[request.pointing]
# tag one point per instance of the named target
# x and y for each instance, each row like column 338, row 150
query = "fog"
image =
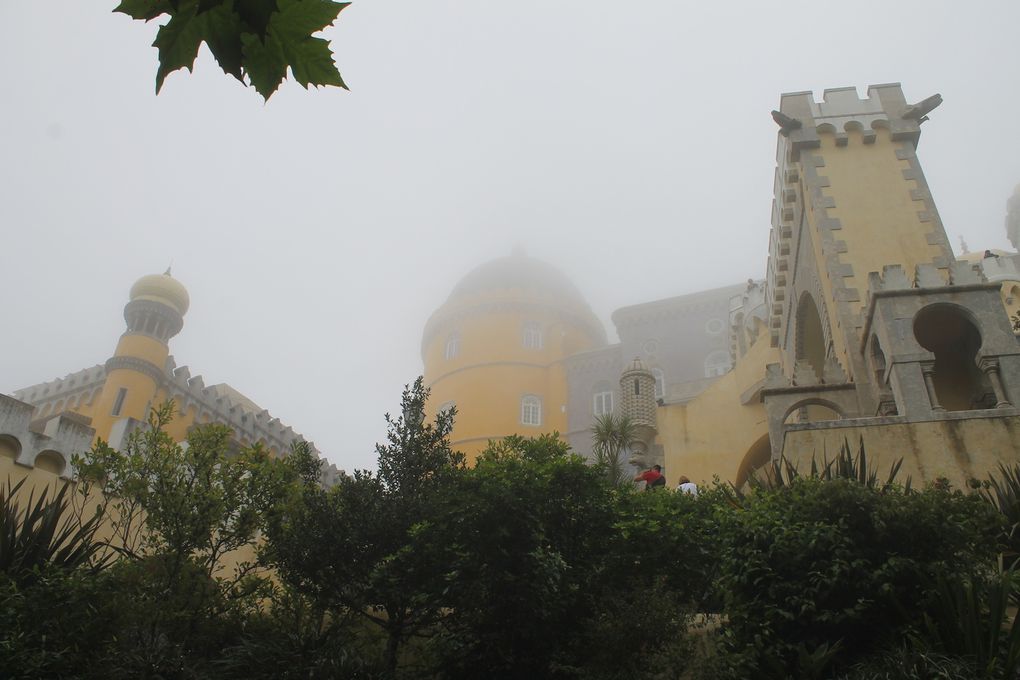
column 628, row 144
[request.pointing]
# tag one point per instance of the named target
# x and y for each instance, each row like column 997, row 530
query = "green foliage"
column 199, row 501
column 1003, row 493
column 815, row 564
column 976, row 618
column 557, row 573
column 524, row 534
column 612, row 436
column 54, row 598
column 179, row 514
column 354, row 549
column 907, row 662
column 60, row 624
column 253, row 40
column 781, row 472
column 44, row 534
column 297, row 640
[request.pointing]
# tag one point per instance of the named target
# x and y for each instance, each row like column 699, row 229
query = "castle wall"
column 715, row 433
column 957, row 446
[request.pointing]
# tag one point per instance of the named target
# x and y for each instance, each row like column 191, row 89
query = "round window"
column 714, row 326
column 650, row 346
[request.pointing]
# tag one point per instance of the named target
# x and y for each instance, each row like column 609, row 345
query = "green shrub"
column 818, row 574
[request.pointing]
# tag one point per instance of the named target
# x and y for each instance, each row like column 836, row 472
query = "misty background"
column 628, row 144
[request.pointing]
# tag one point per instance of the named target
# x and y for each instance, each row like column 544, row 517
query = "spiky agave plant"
column 781, row 472
column 43, row 533
column 1003, row 492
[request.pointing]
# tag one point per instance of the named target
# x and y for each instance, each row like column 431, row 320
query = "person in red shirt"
column 651, row 477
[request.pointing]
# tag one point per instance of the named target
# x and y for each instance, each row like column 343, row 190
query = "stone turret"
column 637, row 390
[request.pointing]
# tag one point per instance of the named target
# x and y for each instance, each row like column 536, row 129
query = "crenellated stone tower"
column 877, row 324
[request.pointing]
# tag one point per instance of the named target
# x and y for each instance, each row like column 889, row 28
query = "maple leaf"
column 255, row 41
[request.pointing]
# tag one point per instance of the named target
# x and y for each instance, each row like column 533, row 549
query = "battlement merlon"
column 842, row 110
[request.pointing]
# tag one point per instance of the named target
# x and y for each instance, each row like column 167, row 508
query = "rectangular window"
column 603, row 403
column 531, row 411
column 118, row 403
column 532, row 336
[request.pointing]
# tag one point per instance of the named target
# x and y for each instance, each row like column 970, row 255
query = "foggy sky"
column 628, row 144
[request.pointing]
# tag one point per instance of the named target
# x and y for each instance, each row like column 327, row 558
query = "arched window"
column 452, row 346
column 531, row 336
column 531, row 410
column 717, row 363
column 660, row 383
column 810, row 341
column 947, row 331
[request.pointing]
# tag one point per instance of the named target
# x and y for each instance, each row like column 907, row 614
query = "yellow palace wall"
column 715, row 434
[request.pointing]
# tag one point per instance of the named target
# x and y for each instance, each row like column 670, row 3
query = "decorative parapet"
column 802, row 119
column 48, row 444
column 926, row 276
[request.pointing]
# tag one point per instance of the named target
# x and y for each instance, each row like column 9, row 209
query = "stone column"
column 990, row 366
column 928, row 370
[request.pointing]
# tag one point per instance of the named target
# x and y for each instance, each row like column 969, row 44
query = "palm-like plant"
column 43, row 534
column 1003, row 493
column 612, row 436
column 780, row 473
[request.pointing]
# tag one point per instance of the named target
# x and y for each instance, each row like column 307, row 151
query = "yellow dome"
column 162, row 288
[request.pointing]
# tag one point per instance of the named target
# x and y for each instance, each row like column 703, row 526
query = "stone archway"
column 810, row 346
column 948, row 332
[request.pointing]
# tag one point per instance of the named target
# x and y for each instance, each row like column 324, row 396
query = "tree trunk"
column 392, row 649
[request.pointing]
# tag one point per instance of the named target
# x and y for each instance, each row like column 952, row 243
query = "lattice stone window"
column 603, row 403
column 531, row 336
column 531, row 410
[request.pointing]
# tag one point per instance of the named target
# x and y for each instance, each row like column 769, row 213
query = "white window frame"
column 602, row 403
column 531, row 410
column 660, row 383
column 118, row 403
column 531, row 336
column 452, row 346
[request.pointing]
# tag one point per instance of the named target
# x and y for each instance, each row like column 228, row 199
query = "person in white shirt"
column 687, row 486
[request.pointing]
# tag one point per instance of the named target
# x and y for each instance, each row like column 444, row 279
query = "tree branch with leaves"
column 255, row 41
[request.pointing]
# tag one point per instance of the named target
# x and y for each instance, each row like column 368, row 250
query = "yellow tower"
column 154, row 314
column 850, row 199
column 495, row 350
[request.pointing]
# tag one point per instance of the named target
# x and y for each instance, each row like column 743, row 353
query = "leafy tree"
column 255, row 41
column 353, row 548
column 525, row 535
column 179, row 515
column 612, row 436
